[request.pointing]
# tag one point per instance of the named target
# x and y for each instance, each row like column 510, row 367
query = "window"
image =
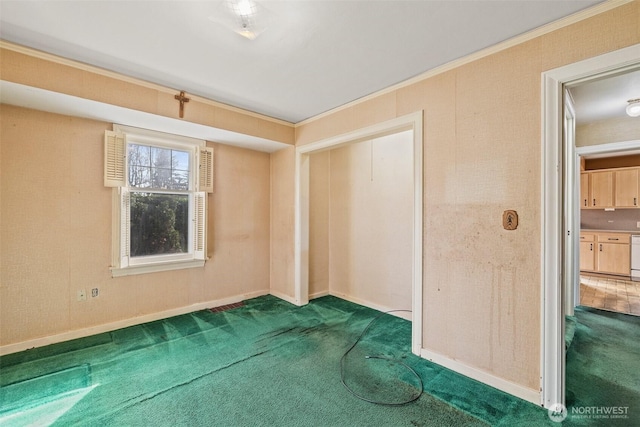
column 159, row 199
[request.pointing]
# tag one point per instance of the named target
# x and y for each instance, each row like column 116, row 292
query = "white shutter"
column 200, row 226
column 114, row 159
column 205, row 169
column 125, row 227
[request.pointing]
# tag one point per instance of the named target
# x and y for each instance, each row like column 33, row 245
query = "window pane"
column 139, row 166
column 161, row 178
column 159, row 224
column 180, row 180
column 160, row 157
column 139, row 155
column 139, row 176
column 180, row 160
column 158, row 168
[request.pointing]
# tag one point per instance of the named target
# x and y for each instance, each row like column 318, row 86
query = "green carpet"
column 268, row 363
column 603, row 370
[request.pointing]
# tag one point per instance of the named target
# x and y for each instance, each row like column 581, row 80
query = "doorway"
column 411, row 123
column 595, row 116
column 560, row 221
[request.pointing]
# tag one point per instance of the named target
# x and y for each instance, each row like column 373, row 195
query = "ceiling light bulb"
column 245, row 17
column 633, row 109
column 244, row 8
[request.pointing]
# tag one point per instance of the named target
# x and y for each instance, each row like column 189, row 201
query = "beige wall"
column 607, row 131
column 481, row 156
column 282, row 214
column 55, row 232
column 371, row 225
column 319, row 202
column 51, row 73
column 482, row 145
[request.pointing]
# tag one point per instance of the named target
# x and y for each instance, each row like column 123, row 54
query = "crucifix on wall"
column 182, row 100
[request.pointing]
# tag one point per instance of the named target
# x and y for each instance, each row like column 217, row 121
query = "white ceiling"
column 606, row 98
column 314, row 56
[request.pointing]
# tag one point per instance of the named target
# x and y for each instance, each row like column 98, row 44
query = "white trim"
column 507, row 386
column 318, row 294
column 125, row 264
column 284, row 297
column 412, row 122
column 572, row 216
column 108, row 327
column 552, row 170
column 153, row 137
column 610, row 148
column 154, row 268
column 34, row 53
column 552, row 365
column 522, row 38
column 301, row 230
column 407, row 315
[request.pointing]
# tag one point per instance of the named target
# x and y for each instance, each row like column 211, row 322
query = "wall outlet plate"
column 94, row 292
column 638, row 224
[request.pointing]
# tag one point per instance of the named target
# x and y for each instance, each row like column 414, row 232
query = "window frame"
column 200, row 182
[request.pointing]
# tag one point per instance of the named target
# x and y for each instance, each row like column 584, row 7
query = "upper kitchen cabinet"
column 584, row 189
column 627, row 185
column 601, row 189
column 610, row 188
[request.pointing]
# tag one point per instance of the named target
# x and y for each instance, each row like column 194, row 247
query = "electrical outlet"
column 638, row 224
column 82, row 295
column 94, row 292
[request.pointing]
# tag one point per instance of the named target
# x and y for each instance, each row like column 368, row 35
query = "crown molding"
column 522, row 38
column 139, row 82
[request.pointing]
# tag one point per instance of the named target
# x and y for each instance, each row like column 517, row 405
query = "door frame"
column 554, row 180
column 301, row 215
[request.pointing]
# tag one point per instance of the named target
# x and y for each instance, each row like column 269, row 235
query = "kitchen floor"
column 610, row 293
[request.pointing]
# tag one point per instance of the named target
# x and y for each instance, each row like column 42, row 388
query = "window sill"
column 153, row 268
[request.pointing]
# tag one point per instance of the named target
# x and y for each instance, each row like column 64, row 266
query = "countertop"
column 590, row 230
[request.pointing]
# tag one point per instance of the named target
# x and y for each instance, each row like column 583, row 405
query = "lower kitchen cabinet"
column 587, row 252
column 605, row 253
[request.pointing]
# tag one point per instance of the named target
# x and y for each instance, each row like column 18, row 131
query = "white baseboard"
column 402, row 314
column 318, row 294
column 284, row 297
column 108, row 327
column 507, row 386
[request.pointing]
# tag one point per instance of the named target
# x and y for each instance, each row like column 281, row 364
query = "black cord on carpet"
column 409, row 368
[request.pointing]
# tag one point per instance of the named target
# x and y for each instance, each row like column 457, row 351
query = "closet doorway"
column 362, row 144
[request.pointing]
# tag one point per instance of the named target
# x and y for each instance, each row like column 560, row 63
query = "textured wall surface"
column 607, row 131
column 50, row 73
column 482, row 145
column 282, row 214
column 371, row 210
column 319, row 222
column 55, row 232
column 361, row 221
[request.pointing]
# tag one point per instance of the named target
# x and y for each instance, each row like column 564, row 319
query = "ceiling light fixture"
column 633, row 109
column 245, row 17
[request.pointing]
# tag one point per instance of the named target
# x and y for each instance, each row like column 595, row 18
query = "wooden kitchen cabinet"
column 601, row 189
column 584, row 190
column 587, row 252
column 613, row 254
column 627, row 186
column 608, row 253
